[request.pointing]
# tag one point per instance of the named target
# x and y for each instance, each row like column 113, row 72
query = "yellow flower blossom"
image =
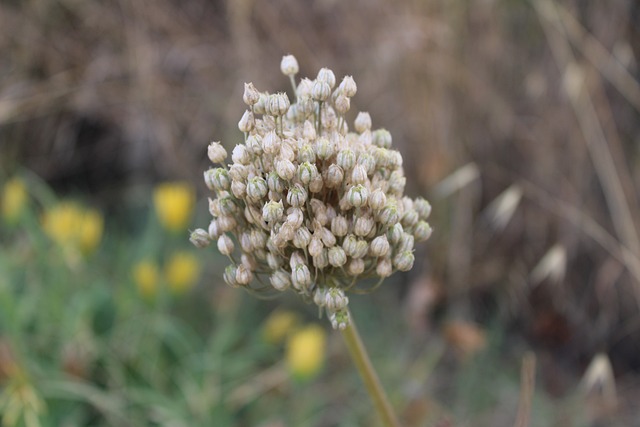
column 72, row 227
column 14, row 199
column 90, row 230
column 278, row 325
column 306, row 351
column 182, row 271
column 146, row 278
column 174, row 203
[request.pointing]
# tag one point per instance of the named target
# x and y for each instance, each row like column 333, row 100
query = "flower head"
column 311, row 205
column 13, row 200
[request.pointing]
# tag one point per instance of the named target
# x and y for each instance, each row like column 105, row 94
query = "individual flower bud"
column 377, row 199
column 289, row 65
column 362, row 122
column 363, row 226
column 334, row 176
column 301, row 277
column 245, row 242
column 346, row 159
column 208, row 179
column 286, row 151
column 301, row 238
column 339, row 319
column 316, row 184
column 381, row 138
column 280, row 280
column 238, row 172
column 296, row 258
column 327, row 76
column 368, row 162
column 244, row 276
column 397, row 182
column 296, row 196
column 324, row 148
column 357, row 196
column 251, row 95
column 321, row 260
column 319, row 296
column 225, row 245
column 410, row 218
column 389, row 215
column 365, row 138
column 306, row 153
column 309, row 131
column 315, row 246
column 278, row 104
column 358, row 175
column 275, row 183
column 274, row 261
column 320, row 91
column 227, row 205
column 247, row 122
column 200, row 238
column 379, row 246
column 348, row 86
column 257, row 188
column 395, row 233
column 271, row 143
column 423, row 208
column 214, row 207
column 355, row 267
column 238, row 189
column 349, row 244
column 307, row 172
column 422, row 231
column 337, row 256
column 260, row 107
column 214, row 230
column 258, row 238
column 285, row 170
column 335, row 299
column 229, row 276
column 327, row 237
column 240, row 155
column 254, row 144
column 362, row 247
column 403, row 261
column 227, row 223
column 295, row 216
column 384, row 267
column 339, row 226
column 342, row 104
column 406, row 242
column 216, row 152
column 220, row 179
column 272, row 211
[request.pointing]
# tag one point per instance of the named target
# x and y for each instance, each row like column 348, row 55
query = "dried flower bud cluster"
column 306, row 204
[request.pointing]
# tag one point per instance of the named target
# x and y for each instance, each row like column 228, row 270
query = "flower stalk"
column 368, row 374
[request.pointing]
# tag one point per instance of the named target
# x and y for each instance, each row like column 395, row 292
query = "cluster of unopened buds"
column 307, row 204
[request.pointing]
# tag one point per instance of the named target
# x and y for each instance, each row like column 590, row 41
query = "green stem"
column 368, row 374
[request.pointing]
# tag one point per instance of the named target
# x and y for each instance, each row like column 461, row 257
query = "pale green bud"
column 257, row 188
column 422, row 231
column 379, row 246
column 327, row 76
column 200, row 238
column 296, row 196
column 357, row 195
column 362, row 122
column 381, row 138
column 225, row 245
column 280, row 280
column 335, row 299
column 403, row 261
column 423, row 208
column 272, row 211
column 229, row 276
column 337, row 257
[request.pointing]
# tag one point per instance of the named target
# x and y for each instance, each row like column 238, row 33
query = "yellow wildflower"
column 71, row 227
column 14, row 199
column 145, row 276
column 60, row 223
column 90, row 230
column 306, row 351
column 278, row 325
column 174, row 203
column 182, row 271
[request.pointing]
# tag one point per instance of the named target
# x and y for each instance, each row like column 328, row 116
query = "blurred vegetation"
column 519, row 120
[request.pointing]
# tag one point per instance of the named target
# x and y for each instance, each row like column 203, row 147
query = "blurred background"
column 518, row 120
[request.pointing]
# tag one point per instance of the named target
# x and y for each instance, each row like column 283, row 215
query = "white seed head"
column 244, row 276
column 289, row 65
column 362, row 122
column 216, row 152
column 296, row 196
column 422, row 231
column 285, row 169
column 327, row 76
column 240, row 155
column 251, row 95
column 272, row 211
column 301, row 277
column 403, row 261
column 335, row 299
column 357, row 196
column 225, row 245
column 348, row 86
column 320, row 91
column 200, row 238
column 346, row 158
column 423, row 208
column 229, row 276
column 337, row 256
column 355, row 267
column 280, row 280
column 381, row 138
column 339, row 226
column 377, row 199
column 379, row 246
column 247, row 122
column 384, row 267
column 278, row 104
column 358, row 175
